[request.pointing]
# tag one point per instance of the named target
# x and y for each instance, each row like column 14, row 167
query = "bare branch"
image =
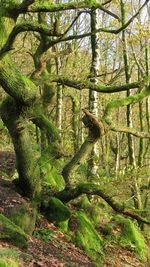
column 129, row 130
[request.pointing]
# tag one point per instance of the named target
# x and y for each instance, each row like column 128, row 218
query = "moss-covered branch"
column 48, row 7
column 29, row 172
column 23, row 27
column 125, row 101
column 96, row 129
column 69, row 194
column 44, row 123
column 16, row 84
column 15, row 9
column 99, row 88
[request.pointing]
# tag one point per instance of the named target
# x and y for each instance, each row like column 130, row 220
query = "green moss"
column 9, row 257
column 84, row 203
column 93, row 211
column 131, row 236
column 12, row 233
column 124, row 102
column 57, row 211
column 25, row 217
column 63, row 226
column 86, row 237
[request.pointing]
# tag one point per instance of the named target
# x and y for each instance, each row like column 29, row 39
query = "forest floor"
column 57, row 251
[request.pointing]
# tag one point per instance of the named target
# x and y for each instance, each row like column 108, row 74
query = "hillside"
column 47, row 245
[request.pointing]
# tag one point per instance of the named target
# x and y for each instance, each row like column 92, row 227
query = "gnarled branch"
column 69, row 194
column 25, row 27
column 96, row 129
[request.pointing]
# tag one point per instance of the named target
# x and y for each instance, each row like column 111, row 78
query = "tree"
column 24, row 103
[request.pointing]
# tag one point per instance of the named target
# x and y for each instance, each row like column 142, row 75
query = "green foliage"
column 12, row 233
column 131, row 236
column 86, row 237
column 9, row 257
column 44, row 234
column 52, row 177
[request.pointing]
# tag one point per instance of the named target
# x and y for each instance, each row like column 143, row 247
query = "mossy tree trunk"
column 22, row 94
column 28, row 169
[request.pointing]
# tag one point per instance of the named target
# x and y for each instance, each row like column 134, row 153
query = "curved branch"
column 25, row 27
column 16, row 84
column 69, row 194
column 99, row 88
column 124, row 102
column 43, row 122
column 20, row 8
column 96, row 129
column 84, row 4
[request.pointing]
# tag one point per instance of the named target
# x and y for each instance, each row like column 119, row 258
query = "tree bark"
column 93, row 96
column 29, row 173
column 96, row 130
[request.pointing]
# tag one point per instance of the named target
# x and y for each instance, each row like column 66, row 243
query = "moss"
column 9, row 257
column 63, row 226
column 86, row 237
column 65, row 6
column 124, row 102
column 8, row 263
column 84, row 203
column 131, row 236
column 25, row 217
column 12, row 233
column 57, row 211
column 92, row 211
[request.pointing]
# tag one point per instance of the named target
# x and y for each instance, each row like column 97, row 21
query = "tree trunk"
column 93, row 96
column 27, row 167
column 131, row 148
